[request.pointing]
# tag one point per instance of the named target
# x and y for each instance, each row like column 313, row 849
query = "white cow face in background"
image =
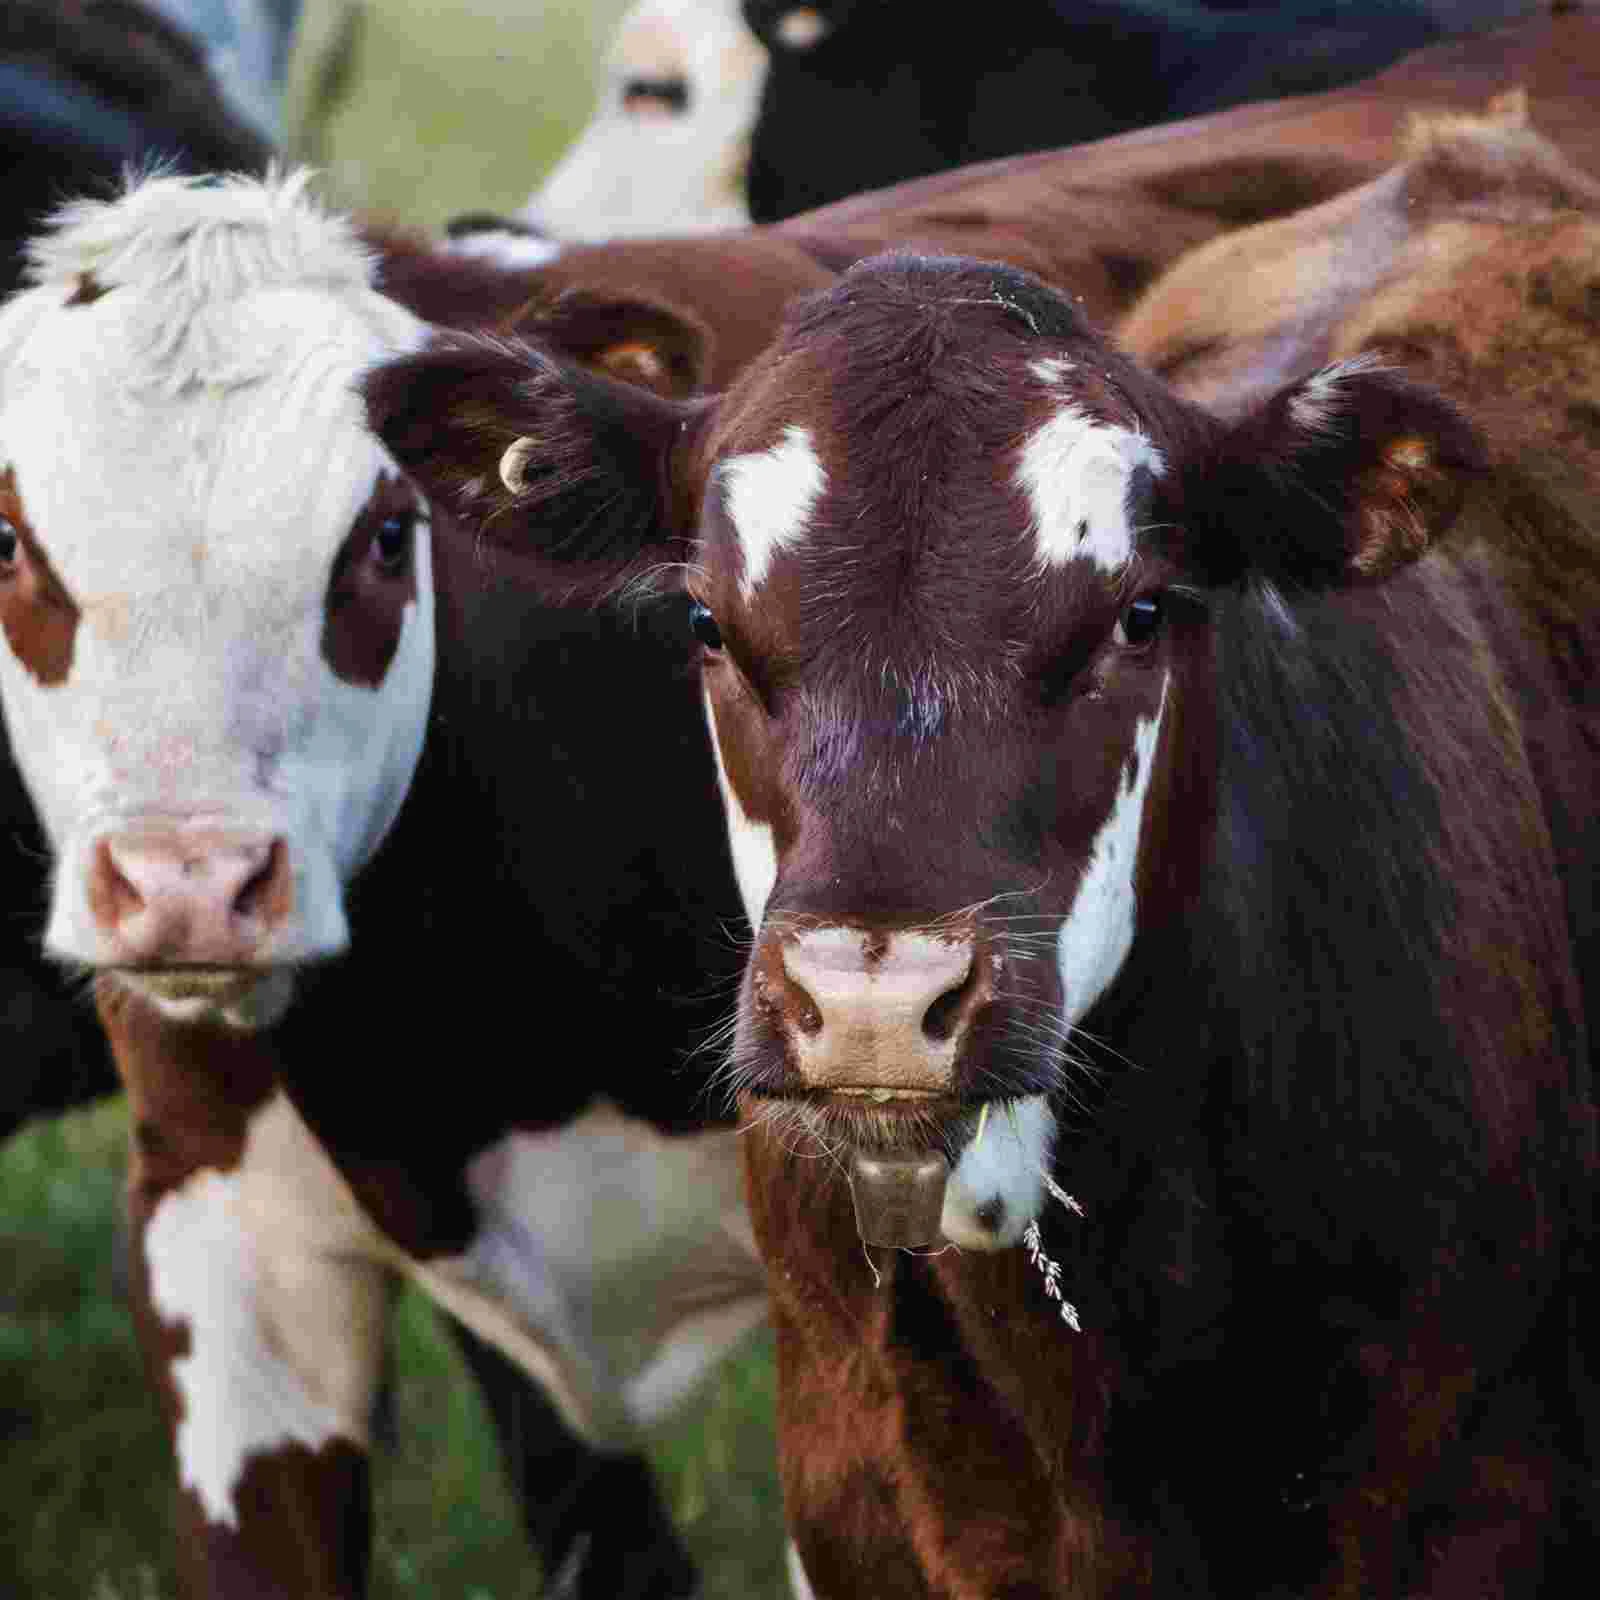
column 667, row 148
column 215, row 591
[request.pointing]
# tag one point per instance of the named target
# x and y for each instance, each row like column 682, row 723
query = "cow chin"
column 245, row 999
column 997, row 1157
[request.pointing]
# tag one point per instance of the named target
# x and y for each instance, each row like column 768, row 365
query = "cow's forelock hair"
column 184, row 246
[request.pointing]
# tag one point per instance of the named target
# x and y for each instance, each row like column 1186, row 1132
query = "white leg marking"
column 1076, row 473
column 770, row 495
column 997, row 1187
column 755, row 853
column 273, row 1270
column 1098, row 932
column 617, row 1264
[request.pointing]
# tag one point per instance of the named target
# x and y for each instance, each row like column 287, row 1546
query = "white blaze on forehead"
column 271, row 1270
column 1097, row 934
column 1076, row 472
column 755, row 852
column 997, row 1186
column 769, row 496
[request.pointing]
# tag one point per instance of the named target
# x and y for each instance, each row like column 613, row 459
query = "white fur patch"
column 799, row 1584
column 516, row 252
column 1001, row 1174
column 770, row 495
column 1313, row 406
column 804, row 28
column 1076, row 473
column 1097, row 934
column 613, row 1262
column 754, row 850
column 270, row 1268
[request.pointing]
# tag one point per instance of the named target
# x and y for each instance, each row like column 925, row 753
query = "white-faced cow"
column 1173, row 840
column 668, row 144
column 223, row 629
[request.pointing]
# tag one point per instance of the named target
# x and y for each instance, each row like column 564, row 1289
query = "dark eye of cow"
column 392, row 543
column 1141, row 621
column 10, row 543
column 704, row 626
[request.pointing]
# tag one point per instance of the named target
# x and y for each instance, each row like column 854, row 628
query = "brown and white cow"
column 1183, row 830
column 225, row 643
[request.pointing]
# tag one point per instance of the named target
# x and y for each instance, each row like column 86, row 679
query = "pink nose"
column 209, row 899
column 886, row 1012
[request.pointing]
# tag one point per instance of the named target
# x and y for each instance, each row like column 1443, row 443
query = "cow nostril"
column 946, row 1016
column 264, row 893
column 804, row 1012
column 113, row 894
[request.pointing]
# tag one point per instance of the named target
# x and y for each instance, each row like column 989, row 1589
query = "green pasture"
column 419, row 109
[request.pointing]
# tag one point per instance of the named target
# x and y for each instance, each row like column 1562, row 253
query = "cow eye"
column 704, row 626
column 10, row 543
column 1141, row 621
column 391, row 544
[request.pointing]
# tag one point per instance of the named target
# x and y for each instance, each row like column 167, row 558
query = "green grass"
column 85, row 1474
column 452, row 105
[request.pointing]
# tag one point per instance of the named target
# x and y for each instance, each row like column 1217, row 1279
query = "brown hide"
column 1102, row 220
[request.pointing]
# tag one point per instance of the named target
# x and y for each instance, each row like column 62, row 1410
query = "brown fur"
column 1269, row 303
column 39, row 617
column 367, row 601
column 1103, row 220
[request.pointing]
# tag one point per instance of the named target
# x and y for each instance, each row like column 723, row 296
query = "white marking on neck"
column 799, row 1584
column 770, row 495
column 1001, row 1175
column 272, row 1270
column 754, row 851
column 1098, row 932
column 1076, row 473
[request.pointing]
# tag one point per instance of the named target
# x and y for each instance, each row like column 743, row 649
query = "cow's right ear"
column 552, row 464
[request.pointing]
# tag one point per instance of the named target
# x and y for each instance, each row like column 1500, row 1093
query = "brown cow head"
column 949, row 558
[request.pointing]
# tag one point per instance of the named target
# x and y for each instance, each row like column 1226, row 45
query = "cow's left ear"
column 559, row 466
column 1343, row 477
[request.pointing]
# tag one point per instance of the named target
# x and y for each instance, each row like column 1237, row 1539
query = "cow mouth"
column 898, row 1147
column 193, row 983
column 240, row 997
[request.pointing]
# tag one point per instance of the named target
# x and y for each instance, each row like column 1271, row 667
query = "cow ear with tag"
column 656, row 347
column 558, row 472
column 1341, row 478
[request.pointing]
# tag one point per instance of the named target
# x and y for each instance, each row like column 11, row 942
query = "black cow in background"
column 864, row 93
column 91, row 88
